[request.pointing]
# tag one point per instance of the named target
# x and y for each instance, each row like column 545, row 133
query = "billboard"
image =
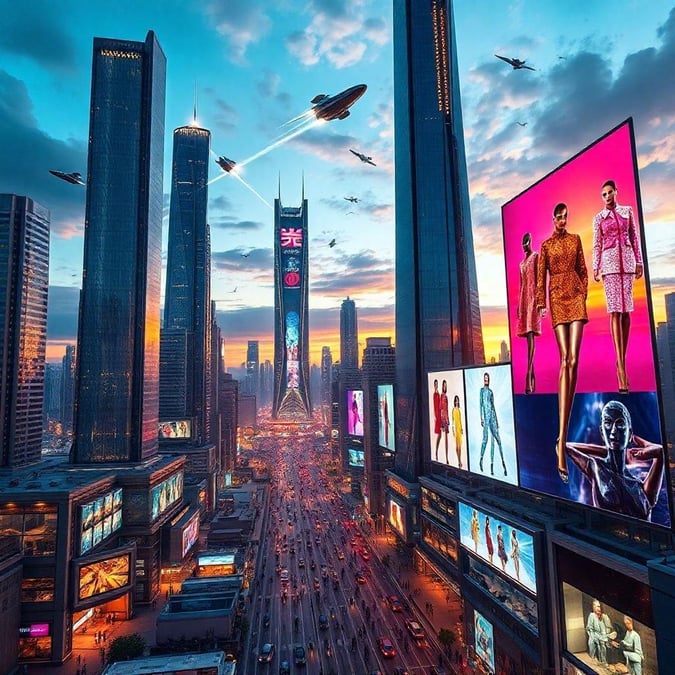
column 99, row 519
column 397, row 517
column 577, row 286
column 385, row 417
column 166, row 493
column 490, row 426
column 447, row 418
column 357, row 458
column 103, row 576
column 504, row 547
column 190, row 534
column 292, row 349
column 484, row 640
column 175, row 429
column 215, row 565
column 355, row 412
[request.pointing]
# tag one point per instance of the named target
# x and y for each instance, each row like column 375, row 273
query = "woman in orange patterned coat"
column 561, row 259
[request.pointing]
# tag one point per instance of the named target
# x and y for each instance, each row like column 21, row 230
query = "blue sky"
column 257, row 64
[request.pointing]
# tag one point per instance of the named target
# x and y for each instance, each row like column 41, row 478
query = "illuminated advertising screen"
column 215, row 565
column 166, row 493
column 397, row 517
column 175, row 429
column 34, row 630
column 292, row 350
column 503, row 546
column 104, row 576
column 190, row 534
column 385, row 417
column 357, row 458
column 586, row 265
column 604, row 627
column 484, row 640
column 99, row 519
column 490, row 427
column 447, row 418
column 355, row 412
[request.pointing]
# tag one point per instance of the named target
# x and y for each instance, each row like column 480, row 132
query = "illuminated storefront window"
column 33, row 530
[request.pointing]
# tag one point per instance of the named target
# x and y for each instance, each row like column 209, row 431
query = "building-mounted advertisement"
column 109, row 574
column 355, row 412
column 357, row 458
column 99, row 519
column 447, row 418
column 575, row 247
column 484, row 641
column 385, row 417
column 167, row 493
column 396, row 516
column 179, row 429
column 190, row 534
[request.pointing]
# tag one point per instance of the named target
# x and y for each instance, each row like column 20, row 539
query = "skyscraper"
column 252, row 368
column 291, row 313
column 187, row 303
column 349, row 335
column 67, row 387
column 117, row 389
column 437, row 312
column 24, row 270
column 326, row 384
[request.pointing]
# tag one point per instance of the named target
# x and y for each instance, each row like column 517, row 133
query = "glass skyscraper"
column 349, row 336
column 291, row 314
column 24, row 271
column 187, row 303
column 437, row 311
column 117, row 389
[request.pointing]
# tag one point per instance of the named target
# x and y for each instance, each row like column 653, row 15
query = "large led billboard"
column 99, row 519
column 190, row 534
column 490, row 427
column 166, row 493
column 397, row 516
column 355, row 412
column 357, row 458
column 447, row 418
column 385, row 417
column 103, row 576
column 484, row 640
column 582, row 335
column 175, row 429
column 503, row 546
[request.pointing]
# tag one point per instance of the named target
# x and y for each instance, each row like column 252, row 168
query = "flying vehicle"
column 245, row 255
column 226, row 164
column 74, row 178
column 353, row 200
column 362, row 157
column 336, row 107
column 516, row 64
column 332, row 243
column 521, row 124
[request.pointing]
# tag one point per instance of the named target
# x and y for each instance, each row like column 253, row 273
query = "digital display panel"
column 292, row 350
column 104, row 576
column 385, row 417
column 215, row 565
column 357, row 458
column 490, row 425
column 484, row 640
column 190, row 534
column 175, row 429
column 99, row 519
column 166, row 493
column 355, row 412
column 589, row 273
column 34, row 630
column 397, row 517
column 447, row 418
column 503, row 546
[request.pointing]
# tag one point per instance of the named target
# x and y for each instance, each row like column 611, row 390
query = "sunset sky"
column 257, row 65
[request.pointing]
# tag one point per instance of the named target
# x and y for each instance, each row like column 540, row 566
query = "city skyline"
column 243, row 96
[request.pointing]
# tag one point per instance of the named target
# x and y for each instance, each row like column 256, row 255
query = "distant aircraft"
column 245, row 255
column 332, row 243
column 226, row 164
column 521, row 124
column 516, row 64
column 362, row 157
column 336, row 107
column 74, row 178
column 234, row 290
column 353, row 200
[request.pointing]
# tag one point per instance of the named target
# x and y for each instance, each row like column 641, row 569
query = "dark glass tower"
column 117, row 388
column 437, row 312
column 349, row 336
column 67, row 386
column 252, row 368
column 291, row 314
column 24, row 275
column 187, row 302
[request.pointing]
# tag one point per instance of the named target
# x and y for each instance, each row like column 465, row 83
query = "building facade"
column 67, row 388
column 24, row 270
column 349, row 335
column 252, row 379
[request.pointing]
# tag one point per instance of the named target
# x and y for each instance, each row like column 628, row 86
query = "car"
column 284, row 668
column 266, row 653
column 340, row 555
column 301, row 562
column 317, row 584
column 395, row 604
column 284, row 576
column 364, row 554
column 299, row 655
column 360, row 577
column 386, row 647
column 323, row 621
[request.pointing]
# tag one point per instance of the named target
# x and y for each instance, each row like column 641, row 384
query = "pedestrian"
column 79, row 659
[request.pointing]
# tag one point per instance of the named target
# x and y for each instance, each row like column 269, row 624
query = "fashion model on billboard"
column 561, row 262
column 529, row 317
column 613, row 486
column 501, row 547
column 457, row 429
column 600, row 631
column 475, row 530
column 442, row 416
column 488, row 540
column 489, row 422
column 617, row 260
column 515, row 553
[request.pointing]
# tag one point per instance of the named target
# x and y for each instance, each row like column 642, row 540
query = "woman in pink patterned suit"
column 529, row 318
column 617, row 259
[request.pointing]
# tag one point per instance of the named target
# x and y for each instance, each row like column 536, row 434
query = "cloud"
column 228, row 223
column 240, row 22
column 36, row 31
column 225, row 116
column 256, row 260
column 355, row 275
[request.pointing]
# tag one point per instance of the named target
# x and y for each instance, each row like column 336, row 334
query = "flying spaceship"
column 336, row 107
column 516, row 64
column 521, row 124
column 245, row 255
column 332, row 243
column 362, row 157
column 74, row 178
column 353, row 200
column 226, row 164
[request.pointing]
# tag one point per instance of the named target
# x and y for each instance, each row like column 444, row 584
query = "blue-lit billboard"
column 385, row 417
column 166, row 493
